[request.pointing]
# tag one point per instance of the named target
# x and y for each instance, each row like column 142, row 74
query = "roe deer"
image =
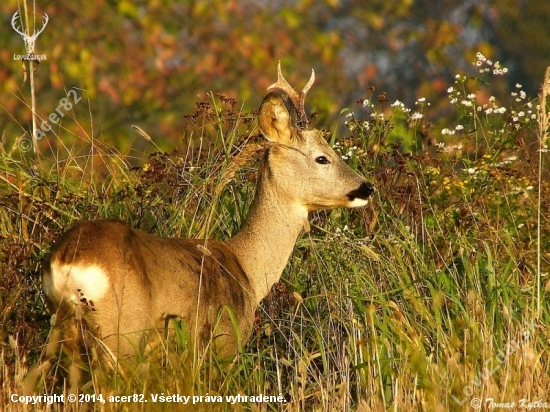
column 131, row 282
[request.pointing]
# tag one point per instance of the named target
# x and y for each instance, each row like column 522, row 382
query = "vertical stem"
column 543, row 136
column 543, row 110
column 35, row 160
column 33, row 109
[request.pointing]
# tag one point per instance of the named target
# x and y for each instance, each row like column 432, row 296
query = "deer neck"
column 266, row 241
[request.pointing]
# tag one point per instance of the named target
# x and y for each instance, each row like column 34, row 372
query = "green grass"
column 425, row 300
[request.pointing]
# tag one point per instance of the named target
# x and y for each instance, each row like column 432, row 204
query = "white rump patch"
column 358, row 202
column 64, row 281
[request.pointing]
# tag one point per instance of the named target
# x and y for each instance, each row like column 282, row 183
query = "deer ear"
column 276, row 118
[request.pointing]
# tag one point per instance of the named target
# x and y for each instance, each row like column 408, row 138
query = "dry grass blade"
column 543, row 127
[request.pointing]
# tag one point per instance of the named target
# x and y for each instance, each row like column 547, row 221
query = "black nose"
column 362, row 192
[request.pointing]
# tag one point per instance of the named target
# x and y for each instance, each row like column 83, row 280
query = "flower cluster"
column 400, row 106
column 341, row 232
column 449, row 149
column 346, row 152
column 447, row 131
column 453, row 95
column 353, row 124
column 479, row 174
column 492, row 107
column 497, row 117
column 379, row 122
column 486, row 66
column 413, row 116
column 525, row 114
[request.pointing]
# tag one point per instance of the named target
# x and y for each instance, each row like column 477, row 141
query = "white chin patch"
column 66, row 280
column 357, row 202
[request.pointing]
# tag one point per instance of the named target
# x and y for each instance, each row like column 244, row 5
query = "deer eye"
column 322, row 160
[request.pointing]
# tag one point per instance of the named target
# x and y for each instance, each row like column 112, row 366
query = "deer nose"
column 364, row 191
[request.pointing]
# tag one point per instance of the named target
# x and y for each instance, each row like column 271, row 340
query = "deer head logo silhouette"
column 29, row 40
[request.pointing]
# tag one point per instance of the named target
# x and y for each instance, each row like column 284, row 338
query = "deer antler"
column 13, row 19
column 46, row 20
column 296, row 98
column 29, row 40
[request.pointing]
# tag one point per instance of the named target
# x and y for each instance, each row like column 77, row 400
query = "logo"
column 29, row 40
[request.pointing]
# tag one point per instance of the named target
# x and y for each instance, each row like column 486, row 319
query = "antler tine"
column 298, row 99
column 309, row 83
column 283, row 85
column 46, row 20
column 303, row 122
column 13, row 19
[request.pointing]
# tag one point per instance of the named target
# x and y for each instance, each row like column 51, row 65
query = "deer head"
column 29, row 40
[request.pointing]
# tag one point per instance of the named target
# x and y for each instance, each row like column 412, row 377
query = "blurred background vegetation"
column 149, row 62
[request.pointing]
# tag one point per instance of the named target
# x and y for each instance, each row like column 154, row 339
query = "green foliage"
column 139, row 62
column 414, row 300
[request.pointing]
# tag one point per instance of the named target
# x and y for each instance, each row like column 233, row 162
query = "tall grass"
column 433, row 298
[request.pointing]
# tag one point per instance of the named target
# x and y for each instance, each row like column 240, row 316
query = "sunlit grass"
column 428, row 299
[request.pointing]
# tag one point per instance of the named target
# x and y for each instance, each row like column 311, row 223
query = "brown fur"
column 142, row 266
